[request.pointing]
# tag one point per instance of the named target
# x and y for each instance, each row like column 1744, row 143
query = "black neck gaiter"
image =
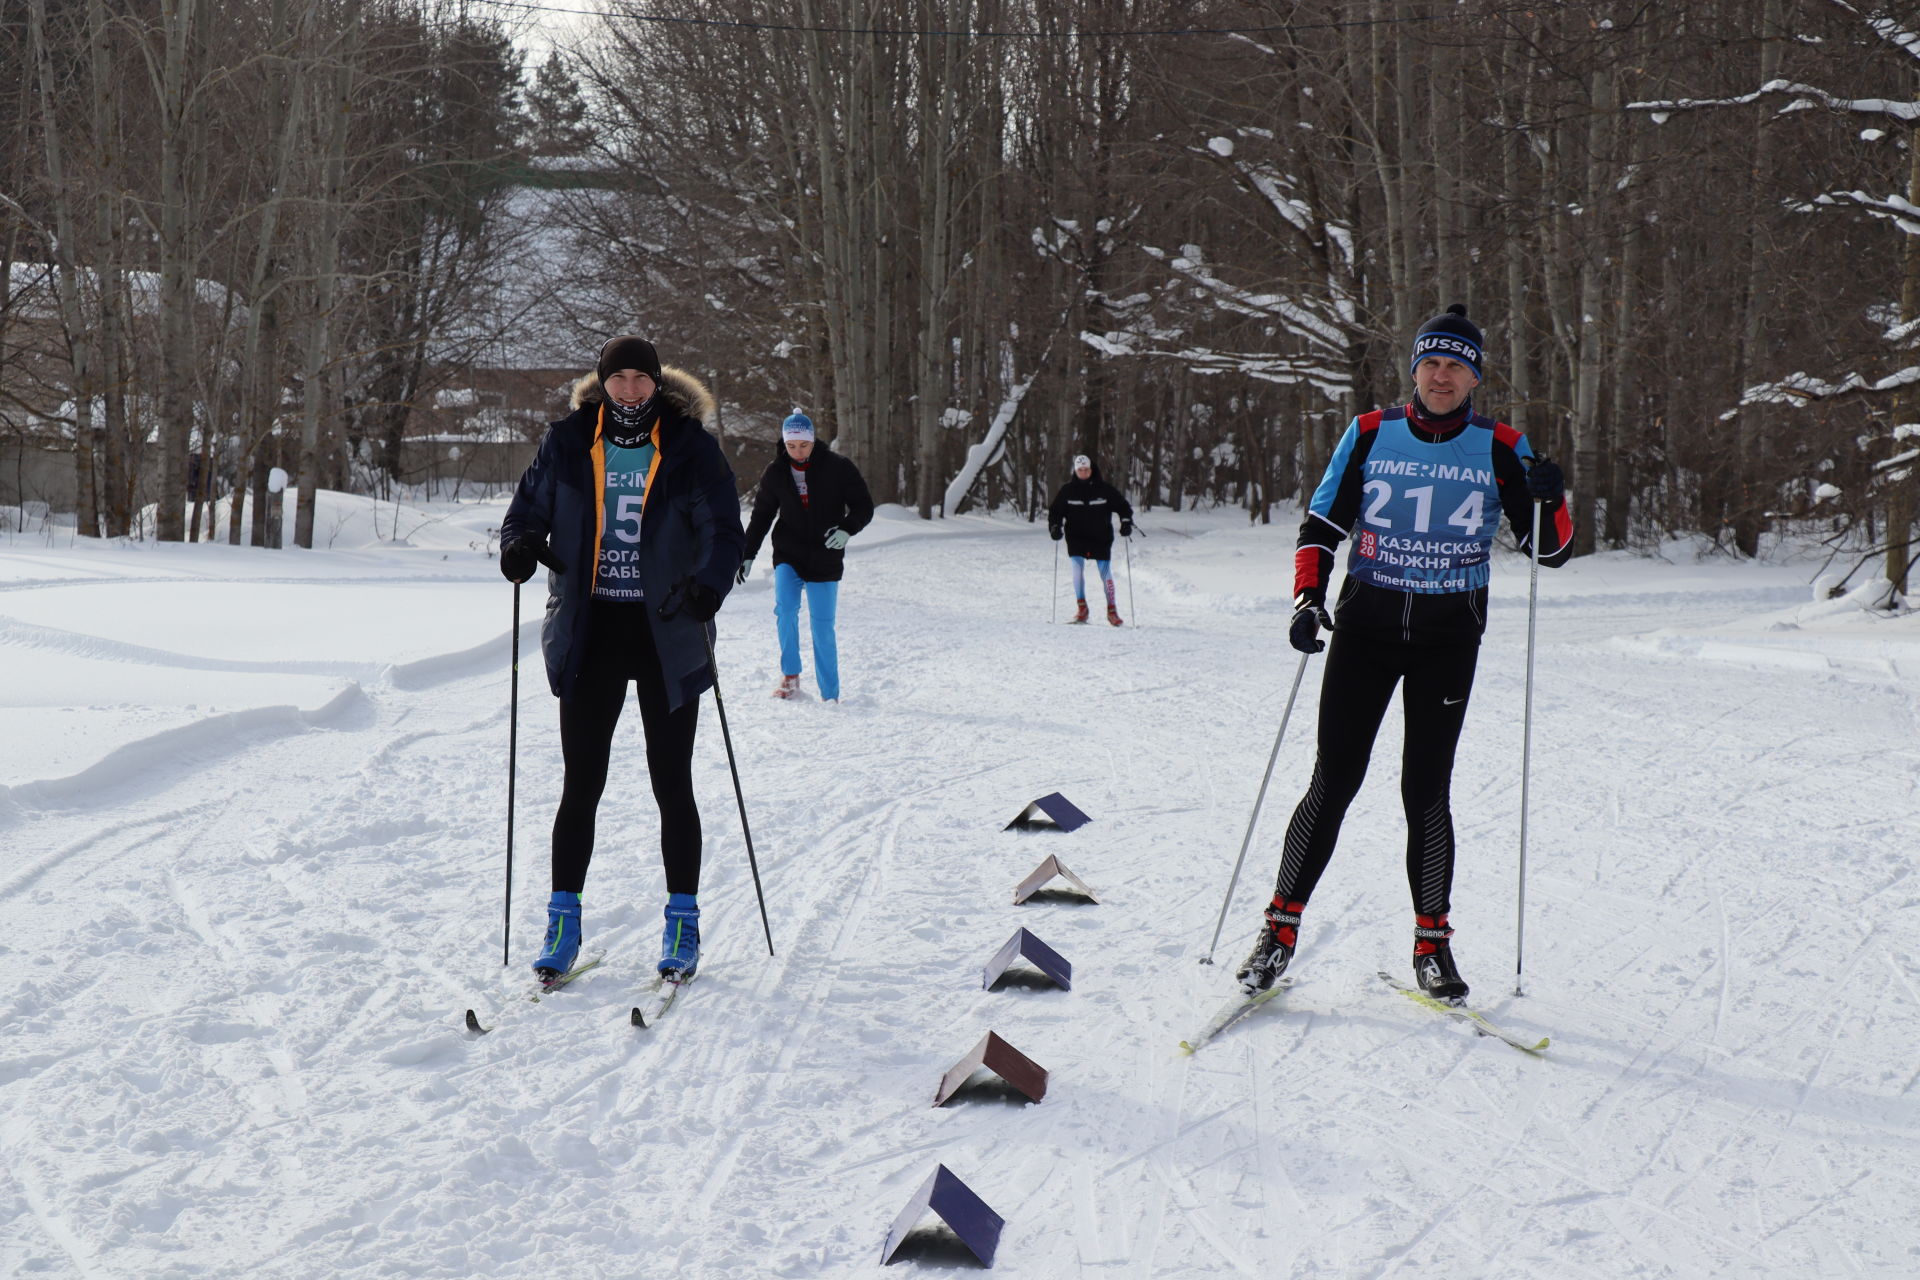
column 627, row 425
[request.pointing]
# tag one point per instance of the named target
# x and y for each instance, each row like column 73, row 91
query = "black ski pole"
column 513, row 755
column 546, row 558
column 713, row 664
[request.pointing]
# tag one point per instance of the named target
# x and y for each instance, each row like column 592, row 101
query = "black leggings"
column 1354, row 692
column 620, row 648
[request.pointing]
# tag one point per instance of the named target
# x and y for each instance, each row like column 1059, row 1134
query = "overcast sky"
column 537, row 31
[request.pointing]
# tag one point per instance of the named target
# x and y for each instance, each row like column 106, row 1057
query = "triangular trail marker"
column 1049, row 867
column 954, row 1201
column 1001, row 1058
column 1050, row 812
column 1023, row 945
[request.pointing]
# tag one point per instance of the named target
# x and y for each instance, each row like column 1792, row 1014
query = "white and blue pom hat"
column 798, row 426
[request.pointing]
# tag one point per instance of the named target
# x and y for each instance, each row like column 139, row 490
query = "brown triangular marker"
column 1001, row 1058
column 1047, row 870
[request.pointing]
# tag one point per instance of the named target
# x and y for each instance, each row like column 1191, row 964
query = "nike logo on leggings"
column 1451, row 702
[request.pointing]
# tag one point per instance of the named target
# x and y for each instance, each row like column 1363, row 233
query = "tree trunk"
column 1590, row 323
column 1625, row 436
column 842, row 231
column 1449, row 265
column 1755, row 488
column 1900, row 504
column 1519, row 371
column 67, row 255
column 180, row 142
column 939, row 103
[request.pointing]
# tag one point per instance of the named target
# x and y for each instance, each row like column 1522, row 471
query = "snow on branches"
column 1803, row 95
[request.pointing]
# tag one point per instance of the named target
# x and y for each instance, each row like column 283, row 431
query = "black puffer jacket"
column 1087, row 508
column 837, row 498
column 690, row 527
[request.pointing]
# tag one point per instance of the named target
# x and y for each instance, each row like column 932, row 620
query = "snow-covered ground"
column 252, row 816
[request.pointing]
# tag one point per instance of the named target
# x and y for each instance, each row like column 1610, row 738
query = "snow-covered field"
column 252, row 816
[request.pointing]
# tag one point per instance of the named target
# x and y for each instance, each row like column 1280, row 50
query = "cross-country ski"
column 1231, row 1013
column 1463, row 1013
column 660, row 998
column 533, row 991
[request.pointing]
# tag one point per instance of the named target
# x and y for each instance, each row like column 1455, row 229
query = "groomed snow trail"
column 242, row 941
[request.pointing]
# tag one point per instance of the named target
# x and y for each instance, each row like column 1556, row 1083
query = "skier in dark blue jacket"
column 633, row 509
column 1422, row 486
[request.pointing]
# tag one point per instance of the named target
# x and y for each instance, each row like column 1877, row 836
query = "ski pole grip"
column 671, row 605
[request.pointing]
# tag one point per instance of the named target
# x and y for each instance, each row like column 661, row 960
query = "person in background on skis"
column 1082, row 512
column 814, row 500
column 1424, row 484
column 633, row 509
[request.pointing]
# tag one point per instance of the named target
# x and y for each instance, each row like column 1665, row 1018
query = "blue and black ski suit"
column 1421, row 497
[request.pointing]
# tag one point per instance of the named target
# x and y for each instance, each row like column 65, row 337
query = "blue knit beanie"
column 798, row 426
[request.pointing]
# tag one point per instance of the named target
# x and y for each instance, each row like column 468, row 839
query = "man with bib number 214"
column 1419, row 489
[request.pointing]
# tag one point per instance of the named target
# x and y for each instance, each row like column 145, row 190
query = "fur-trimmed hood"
column 681, row 392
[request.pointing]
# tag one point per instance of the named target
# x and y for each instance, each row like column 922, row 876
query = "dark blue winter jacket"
column 689, row 528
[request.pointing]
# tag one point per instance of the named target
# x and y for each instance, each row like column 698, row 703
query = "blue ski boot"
column 680, row 947
column 563, row 937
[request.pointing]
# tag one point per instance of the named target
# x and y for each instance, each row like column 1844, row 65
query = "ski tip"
column 637, row 1018
column 1519, row 1044
column 1186, row 1050
column 473, row 1024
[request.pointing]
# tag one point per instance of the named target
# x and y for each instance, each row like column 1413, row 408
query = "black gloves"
column 1309, row 619
column 695, row 599
column 1056, row 532
column 700, row 602
column 519, row 558
column 1545, row 482
column 1126, row 527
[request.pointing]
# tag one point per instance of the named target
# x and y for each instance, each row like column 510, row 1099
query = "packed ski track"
column 253, row 828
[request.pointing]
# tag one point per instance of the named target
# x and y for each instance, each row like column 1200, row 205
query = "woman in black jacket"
column 1082, row 512
column 813, row 500
column 633, row 509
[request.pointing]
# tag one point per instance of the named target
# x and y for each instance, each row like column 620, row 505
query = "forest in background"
column 975, row 237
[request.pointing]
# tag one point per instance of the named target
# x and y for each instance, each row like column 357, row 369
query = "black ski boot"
column 1274, row 951
column 1433, row 965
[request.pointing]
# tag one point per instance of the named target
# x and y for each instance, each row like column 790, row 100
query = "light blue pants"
column 1080, row 577
column 822, row 602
